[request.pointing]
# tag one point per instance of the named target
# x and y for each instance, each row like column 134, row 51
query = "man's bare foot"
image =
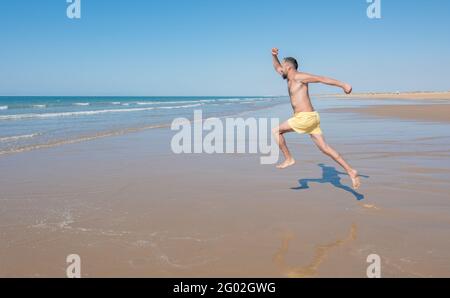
column 287, row 163
column 354, row 175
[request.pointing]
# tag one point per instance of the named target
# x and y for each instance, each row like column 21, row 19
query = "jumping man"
column 306, row 119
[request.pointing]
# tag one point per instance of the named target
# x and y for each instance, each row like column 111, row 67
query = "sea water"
column 28, row 123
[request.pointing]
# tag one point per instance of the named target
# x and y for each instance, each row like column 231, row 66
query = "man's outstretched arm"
column 276, row 62
column 310, row 78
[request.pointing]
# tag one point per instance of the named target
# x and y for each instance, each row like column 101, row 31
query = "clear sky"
column 219, row 47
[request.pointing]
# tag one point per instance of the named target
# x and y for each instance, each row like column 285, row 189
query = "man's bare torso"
column 299, row 94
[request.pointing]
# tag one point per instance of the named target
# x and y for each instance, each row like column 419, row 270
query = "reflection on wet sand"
column 320, row 254
column 370, row 206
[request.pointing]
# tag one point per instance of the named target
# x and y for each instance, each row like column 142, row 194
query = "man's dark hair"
column 292, row 61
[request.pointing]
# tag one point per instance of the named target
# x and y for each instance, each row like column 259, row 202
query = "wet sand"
column 434, row 113
column 129, row 207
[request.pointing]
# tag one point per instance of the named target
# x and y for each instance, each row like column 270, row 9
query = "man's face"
column 285, row 69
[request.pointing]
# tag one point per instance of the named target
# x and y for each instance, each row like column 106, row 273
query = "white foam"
column 87, row 113
column 81, row 104
column 181, row 107
column 116, row 103
column 39, row 106
column 236, row 100
column 202, row 101
column 145, row 103
column 68, row 114
column 170, row 102
column 19, row 137
column 3, row 107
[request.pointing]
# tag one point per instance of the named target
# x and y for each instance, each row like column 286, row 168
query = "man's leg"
column 279, row 138
column 319, row 140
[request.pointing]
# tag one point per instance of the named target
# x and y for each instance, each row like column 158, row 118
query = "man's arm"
column 310, row 78
column 276, row 62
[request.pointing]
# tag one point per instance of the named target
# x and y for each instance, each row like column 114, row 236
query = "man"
column 306, row 119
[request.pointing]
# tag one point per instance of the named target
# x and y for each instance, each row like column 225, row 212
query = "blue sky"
column 219, row 47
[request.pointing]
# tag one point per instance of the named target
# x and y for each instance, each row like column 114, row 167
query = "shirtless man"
column 306, row 119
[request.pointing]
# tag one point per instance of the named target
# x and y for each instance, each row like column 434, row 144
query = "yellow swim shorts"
column 306, row 122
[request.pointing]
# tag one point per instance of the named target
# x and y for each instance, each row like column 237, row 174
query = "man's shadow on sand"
column 330, row 175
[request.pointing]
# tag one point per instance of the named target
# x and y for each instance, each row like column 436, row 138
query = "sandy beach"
column 395, row 95
column 432, row 113
column 130, row 207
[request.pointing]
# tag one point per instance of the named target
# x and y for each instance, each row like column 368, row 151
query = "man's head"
column 289, row 64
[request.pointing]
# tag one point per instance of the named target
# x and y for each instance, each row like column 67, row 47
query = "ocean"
column 28, row 123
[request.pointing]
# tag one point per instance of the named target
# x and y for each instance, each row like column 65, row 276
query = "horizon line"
column 275, row 95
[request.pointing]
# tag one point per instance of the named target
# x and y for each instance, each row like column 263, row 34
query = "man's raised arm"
column 276, row 62
column 309, row 78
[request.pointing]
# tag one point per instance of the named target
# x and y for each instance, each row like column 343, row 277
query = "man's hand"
column 276, row 62
column 347, row 88
column 274, row 52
